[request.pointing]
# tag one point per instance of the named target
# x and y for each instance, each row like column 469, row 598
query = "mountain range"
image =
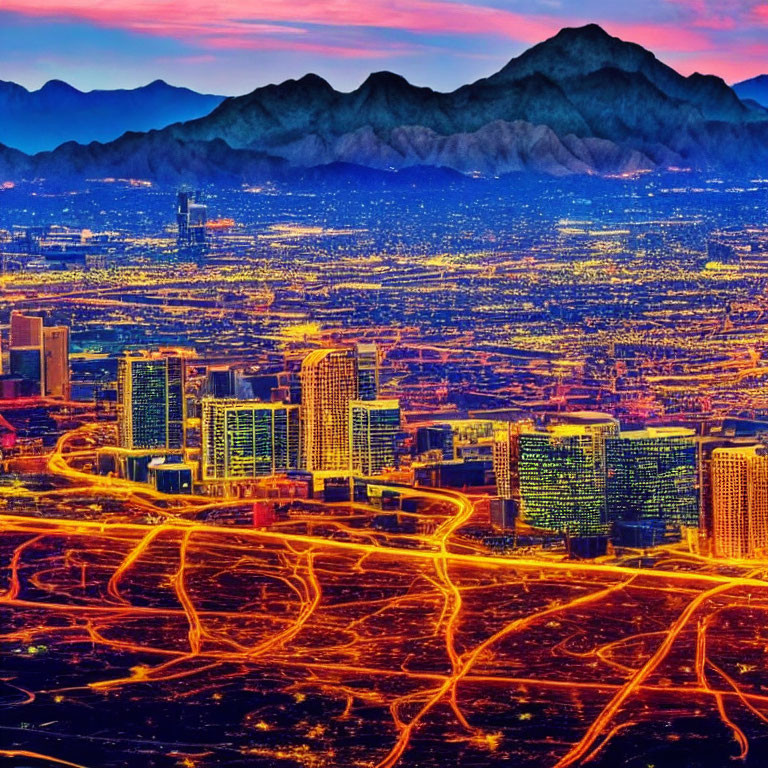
column 35, row 121
column 754, row 89
column 582, row 102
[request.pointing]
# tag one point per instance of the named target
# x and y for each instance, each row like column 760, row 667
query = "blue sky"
column 233, row 46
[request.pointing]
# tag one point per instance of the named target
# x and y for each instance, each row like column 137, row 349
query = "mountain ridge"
column 97, row 115
column 754, row 89
column 581, row 102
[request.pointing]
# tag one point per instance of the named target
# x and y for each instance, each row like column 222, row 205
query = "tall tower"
column 328, row 385
column 367, row 371
column 191, row 220
column 506, row 459
column 150, row 402
column 740, row 502
column 40, row 355
column 374, row 426
column 248, row 438
column 56, row 356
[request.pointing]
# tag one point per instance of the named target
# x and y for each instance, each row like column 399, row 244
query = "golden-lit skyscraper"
column 56, row 357
column 151, row 408
column 739, row 502
column 40, row 355
column 328, row 385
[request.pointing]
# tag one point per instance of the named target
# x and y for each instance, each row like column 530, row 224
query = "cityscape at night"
column 387, row 427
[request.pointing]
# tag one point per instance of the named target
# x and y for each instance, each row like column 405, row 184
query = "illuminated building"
column 40, row 355
column 26, row 330
column 328, row 385
column 374, row 426
column 506, row 459
column 458, row 439
column 248, row 438
column 652, row 475
column 740, row 502
column 191, row 219
column 437, row 437
column 56, row 361
column 563, row 475
column 367, row 371
column 151, row 405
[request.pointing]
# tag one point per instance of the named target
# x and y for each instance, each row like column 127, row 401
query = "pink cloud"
column 276, row 24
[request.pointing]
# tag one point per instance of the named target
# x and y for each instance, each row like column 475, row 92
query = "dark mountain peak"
column 577, row 51
column 757, row 80
column 384, row 79
column 592, row 32
column 58, row 87
column 6, row 86
column 754, row 89
column 314, row 82
column 157, row 85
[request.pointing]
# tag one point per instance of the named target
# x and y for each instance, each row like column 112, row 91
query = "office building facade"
column 151, row 403
column 740, row 502
column 374, row 427
column 652, row 474
column 247, row 438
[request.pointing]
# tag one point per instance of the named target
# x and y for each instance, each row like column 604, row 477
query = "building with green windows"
column 151, row 406
column 373, row 429
column 652, row 475
column 562, row 475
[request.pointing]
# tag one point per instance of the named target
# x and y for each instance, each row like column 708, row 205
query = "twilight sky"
column 233, row 46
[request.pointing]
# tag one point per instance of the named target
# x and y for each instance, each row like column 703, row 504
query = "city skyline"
column 384, row 427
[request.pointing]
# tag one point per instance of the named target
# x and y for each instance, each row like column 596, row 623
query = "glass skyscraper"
column 562, row 477
column 374, row 426
column 150, row 402
column 652, row 475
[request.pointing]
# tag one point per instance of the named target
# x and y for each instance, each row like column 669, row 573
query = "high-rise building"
column 436, row 437
column 150, row 401
column 221, row 382
column 563, row 476
column 652, row 475
column 367, row 371
column 374, row 426
column 56, row 361
column 191, row 219
column 26, row 330
column 40, row 355
column 248, row 438
column 506, row 459
column 740, row 502
column 328, row 385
